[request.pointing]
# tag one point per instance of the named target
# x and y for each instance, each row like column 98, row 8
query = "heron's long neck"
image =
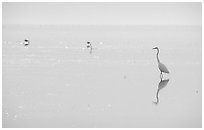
column 158, row 55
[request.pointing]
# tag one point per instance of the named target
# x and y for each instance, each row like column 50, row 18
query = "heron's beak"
column 154, row 48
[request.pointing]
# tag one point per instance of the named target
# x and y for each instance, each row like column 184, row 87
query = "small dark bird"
column 26, row 42
column 89, row 45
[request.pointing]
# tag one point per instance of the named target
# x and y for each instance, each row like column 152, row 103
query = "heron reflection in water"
column 161, row 85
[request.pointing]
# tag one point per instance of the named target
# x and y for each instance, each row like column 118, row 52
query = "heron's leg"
column 161, row 75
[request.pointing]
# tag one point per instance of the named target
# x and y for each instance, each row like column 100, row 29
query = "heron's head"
column 156, row 48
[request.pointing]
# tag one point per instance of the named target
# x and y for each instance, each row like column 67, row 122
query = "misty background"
column 113, row 13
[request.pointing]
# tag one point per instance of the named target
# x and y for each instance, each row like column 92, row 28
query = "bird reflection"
column 161, row 85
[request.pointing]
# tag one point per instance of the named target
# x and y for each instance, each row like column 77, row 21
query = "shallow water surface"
column 56, row 82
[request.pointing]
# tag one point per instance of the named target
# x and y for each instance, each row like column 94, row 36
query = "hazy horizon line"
column 50, row 24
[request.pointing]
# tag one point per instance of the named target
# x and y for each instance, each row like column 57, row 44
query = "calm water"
column 56, row 82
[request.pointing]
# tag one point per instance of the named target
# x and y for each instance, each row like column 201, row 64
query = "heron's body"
column 161, row 66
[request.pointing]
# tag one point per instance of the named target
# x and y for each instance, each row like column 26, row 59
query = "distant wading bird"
column 161, row 66
column 26, row 42
column 89, row 45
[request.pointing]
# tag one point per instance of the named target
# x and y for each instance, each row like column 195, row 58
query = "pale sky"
column 103, row 13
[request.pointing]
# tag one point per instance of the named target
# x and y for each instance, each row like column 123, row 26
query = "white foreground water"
column 56, row 82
